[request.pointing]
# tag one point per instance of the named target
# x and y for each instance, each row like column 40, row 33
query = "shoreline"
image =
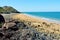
column 39, row 24
column 44, row 18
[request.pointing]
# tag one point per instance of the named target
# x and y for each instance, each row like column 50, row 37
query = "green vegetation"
column 1, row 9
column 8, row 9
column 1, row 25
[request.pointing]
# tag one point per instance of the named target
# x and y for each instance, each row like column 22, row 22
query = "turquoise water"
column 53, row 15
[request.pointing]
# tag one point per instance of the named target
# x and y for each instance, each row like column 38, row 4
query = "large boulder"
column 2, row 20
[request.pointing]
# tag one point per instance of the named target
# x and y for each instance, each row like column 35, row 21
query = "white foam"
column 44, row 18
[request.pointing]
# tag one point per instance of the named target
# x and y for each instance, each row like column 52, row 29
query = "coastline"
column 44, row 18
column 39, row 24
column 34, row 27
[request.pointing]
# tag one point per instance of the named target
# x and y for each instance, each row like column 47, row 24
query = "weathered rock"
column 7, row 25
column 20, row 31
column 1, row 35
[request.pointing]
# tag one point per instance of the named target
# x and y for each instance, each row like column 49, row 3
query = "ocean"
column 52, row 16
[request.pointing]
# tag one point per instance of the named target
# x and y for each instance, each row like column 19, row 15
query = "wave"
column 44, row 18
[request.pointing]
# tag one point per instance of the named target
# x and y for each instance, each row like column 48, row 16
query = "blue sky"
column 32, row 5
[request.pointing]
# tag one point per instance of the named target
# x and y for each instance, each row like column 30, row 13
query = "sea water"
column 52, row 16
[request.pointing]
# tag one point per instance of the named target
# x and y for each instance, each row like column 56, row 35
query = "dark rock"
column 13, row 28
column 2, row 20
column 8, row 35
column 20, row 31
column 1, row 35
column 17, row 22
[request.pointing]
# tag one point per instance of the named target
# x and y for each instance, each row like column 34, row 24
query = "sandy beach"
column 39, row 24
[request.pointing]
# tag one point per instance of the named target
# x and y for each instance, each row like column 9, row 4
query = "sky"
column 33, row 5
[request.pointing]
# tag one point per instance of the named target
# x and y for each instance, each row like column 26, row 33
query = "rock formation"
column 19, row 30
column 16, row 30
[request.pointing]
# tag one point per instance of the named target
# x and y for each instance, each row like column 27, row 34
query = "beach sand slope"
column 39, row 24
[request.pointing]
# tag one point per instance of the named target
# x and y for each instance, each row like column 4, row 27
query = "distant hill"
column 8, row 9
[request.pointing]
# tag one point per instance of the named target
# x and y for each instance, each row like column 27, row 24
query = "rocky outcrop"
column 15, row 30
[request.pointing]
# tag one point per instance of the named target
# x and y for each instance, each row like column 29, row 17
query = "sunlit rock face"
column 8, row 17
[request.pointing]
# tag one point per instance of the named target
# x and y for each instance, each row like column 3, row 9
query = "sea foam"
column 44, row 18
